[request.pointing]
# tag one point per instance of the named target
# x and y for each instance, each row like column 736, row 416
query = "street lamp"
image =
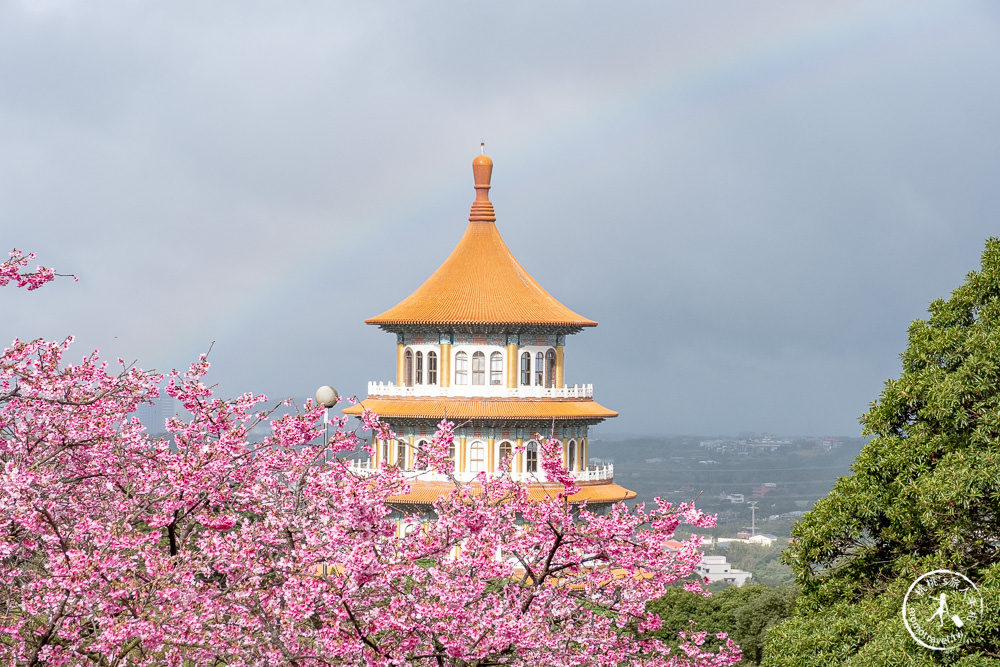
column 327, row 396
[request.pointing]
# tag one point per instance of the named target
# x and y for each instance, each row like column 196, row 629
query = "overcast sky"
column 754, row 199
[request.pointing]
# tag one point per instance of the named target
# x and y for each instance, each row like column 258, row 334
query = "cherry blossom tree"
column 205, row 548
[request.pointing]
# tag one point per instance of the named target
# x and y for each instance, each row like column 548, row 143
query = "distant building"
column 764, row 539
column 717, row 568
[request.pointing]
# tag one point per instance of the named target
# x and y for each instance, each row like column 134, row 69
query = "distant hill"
column 783, row 475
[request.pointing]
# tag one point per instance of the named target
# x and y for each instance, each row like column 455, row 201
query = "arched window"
column 496, row 368
column 477, row 456
column 531, row 457
column 505, row 449
column 408, row 368
column 422, row 453
column 401, row 455
column 461, row 368
column 478, row 368
column 526, row 369
column 420, row 368
column 432, row 368
column 451, row 453
column 550, row 368
column 539, row 370
column 571, row 456
column 385, row 452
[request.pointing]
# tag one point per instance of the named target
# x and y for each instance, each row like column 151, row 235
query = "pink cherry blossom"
column 13, row 270
column 205, row 547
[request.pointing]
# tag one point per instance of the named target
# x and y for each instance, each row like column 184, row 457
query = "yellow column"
column 565, row 453
column 491, row 462
column 584, row 458
column 512, row 366
column 409, row 453
column 518, row 463
column 444, row 367
column 461, row 455
column 399, row 364
column 560, row 358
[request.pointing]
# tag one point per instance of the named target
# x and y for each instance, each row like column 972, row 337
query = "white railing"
column 476, row 390
column 602, row 473
column 596, row 473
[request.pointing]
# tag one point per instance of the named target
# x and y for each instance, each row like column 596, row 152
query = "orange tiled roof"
column 481, row 282
column 483, row 408
column 425, row 493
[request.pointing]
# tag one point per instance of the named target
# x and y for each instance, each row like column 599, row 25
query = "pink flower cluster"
column 204, row 547
column 13, row 270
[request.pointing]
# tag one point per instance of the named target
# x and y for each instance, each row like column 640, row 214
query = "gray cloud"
column 753, row 199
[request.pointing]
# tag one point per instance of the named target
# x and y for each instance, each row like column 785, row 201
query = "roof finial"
column 482, row 169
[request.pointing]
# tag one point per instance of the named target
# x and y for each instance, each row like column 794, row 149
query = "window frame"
column 531, row 456
column 505, row 449
column 408, row 368
column 432, row 367
column 422, row 445
column 479, row 369
column 477, row 446
column 496, row 369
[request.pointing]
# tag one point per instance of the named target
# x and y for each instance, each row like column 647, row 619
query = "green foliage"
column 745, row 613
column 924, row 495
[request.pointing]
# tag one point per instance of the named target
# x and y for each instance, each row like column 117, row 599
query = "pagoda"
column 481, row 344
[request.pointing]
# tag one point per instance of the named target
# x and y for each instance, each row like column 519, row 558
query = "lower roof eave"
column 427, row 493
column 483, row 408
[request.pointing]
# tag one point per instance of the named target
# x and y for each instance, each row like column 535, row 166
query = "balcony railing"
column 388, row 389
column 602, row 473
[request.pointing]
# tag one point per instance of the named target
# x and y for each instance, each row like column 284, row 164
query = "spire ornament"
column 482, row 170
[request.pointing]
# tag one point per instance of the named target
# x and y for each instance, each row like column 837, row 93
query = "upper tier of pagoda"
column 481, row 284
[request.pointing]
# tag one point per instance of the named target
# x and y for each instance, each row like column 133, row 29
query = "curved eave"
column 427, row 493
column 481, row 283
column 483, row 408
column 478, row 325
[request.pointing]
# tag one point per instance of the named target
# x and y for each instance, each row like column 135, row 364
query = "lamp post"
column 753, row 518
column 327, row 396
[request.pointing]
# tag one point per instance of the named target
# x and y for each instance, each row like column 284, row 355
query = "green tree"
column 924, row 495
column 745, row 613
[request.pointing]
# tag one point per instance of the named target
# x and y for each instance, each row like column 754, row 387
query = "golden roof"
column 483, row 408
column 481, row 283
column 425, row 493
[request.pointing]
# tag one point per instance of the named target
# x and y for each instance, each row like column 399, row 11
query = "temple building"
column 481, row 343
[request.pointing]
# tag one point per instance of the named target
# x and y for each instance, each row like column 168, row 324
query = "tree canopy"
column 923, row 495
column 744, row 612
